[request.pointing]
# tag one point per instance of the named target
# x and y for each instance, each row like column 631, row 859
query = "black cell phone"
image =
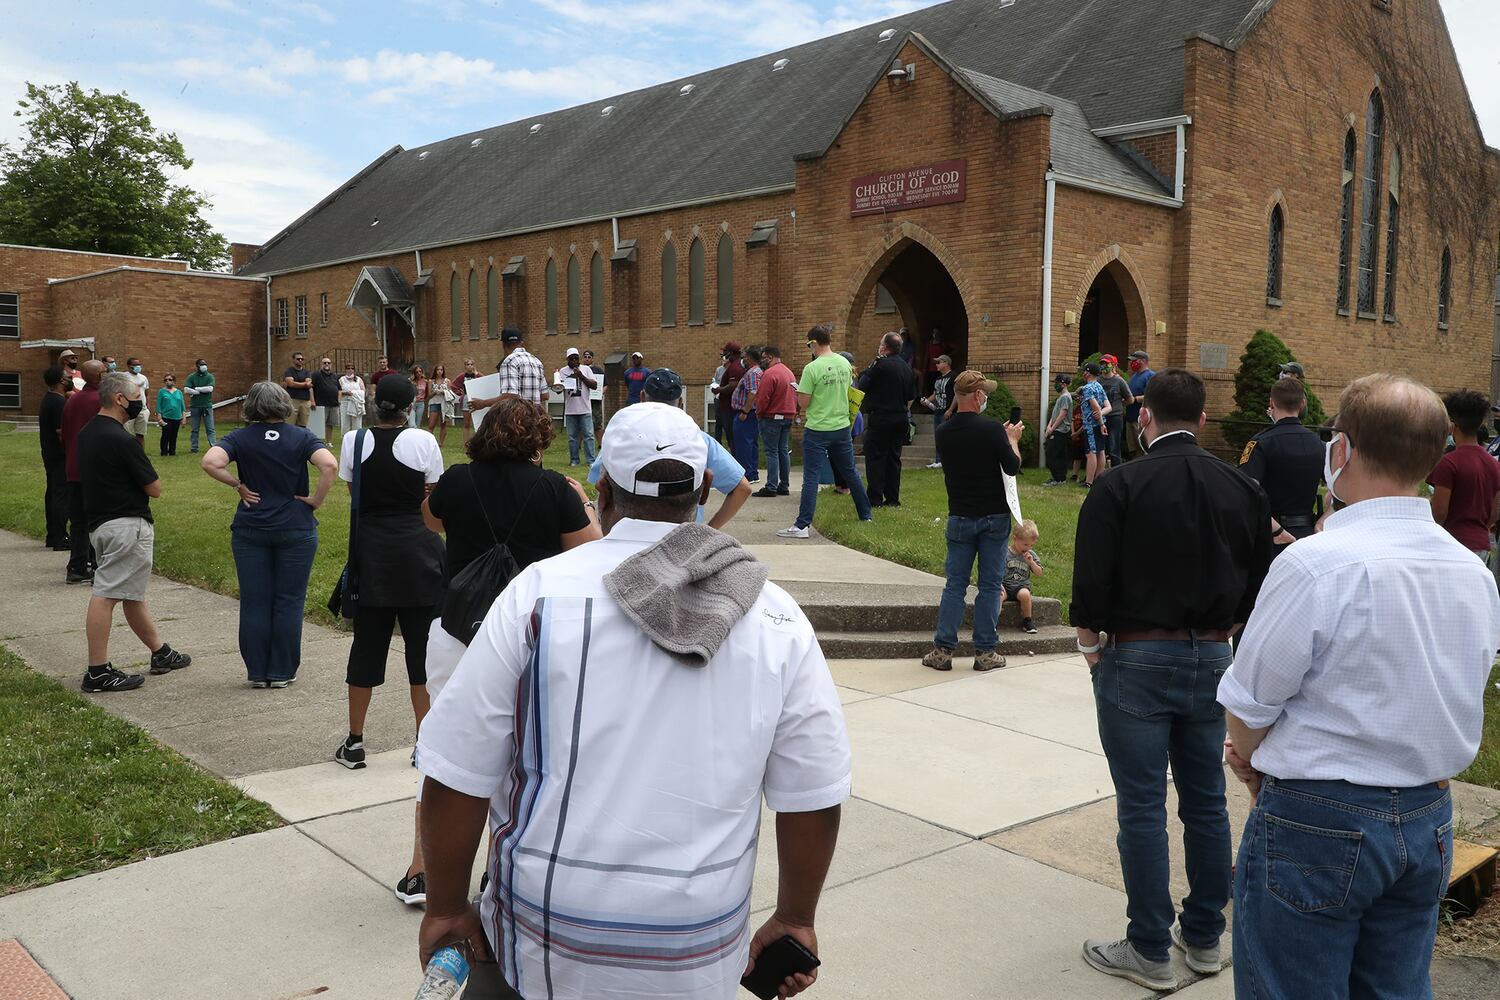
column 778, row 960
column 1015, row 414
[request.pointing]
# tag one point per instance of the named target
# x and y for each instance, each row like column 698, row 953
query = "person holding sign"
column 577, row 382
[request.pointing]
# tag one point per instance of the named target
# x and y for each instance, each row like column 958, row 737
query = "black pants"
column 169, row 429
column 55, row 501
column 81, row 563
column 885, row 436
column 1059, row 444
column 372, row 644
column 724, row 425
column 486, row 983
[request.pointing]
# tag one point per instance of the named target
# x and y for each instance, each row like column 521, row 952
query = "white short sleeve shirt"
column 414, row 448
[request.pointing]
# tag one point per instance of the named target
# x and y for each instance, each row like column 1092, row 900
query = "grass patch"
column 84, row 791
column 1486, row 767
column 913, row 534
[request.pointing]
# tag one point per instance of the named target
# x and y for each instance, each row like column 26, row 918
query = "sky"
column 280, row 101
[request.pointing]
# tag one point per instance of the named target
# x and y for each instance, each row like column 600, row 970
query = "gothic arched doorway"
column 1111, row 314
column 910, row 288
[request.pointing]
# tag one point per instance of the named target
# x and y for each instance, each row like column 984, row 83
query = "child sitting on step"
column 1020, row 563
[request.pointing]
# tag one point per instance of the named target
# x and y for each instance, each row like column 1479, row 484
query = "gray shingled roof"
column 1113, row 61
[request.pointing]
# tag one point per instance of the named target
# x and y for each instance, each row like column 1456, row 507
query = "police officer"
column 1287, row 460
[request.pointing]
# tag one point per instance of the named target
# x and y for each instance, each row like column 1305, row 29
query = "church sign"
column 919, row 187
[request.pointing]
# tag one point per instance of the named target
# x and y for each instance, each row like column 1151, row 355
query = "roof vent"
column 779, row 65
column 536, row 128
column 887, row 34
column 476, row 143
column 606, row 111
column 424, row 154
column 687, row 88
column 1007, row 3
column 375, row 222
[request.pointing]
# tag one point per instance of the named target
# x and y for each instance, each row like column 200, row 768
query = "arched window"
column 1346, row 221
column 573, row 306
column 1392, row 231
column 695, row 283
column 1369, row 207
column 455, row 293
column 1445, row 288
column 669, row 285
column 596, row 293
column 492, row 301
column 551, row 293
column 474, row 313
column 1274, row 253
column 726, row 279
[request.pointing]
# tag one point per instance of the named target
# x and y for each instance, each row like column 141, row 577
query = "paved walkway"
column 976, row 854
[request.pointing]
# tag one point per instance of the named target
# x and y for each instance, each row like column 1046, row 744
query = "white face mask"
column 1329, row 475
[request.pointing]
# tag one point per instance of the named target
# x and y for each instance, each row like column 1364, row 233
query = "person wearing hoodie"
column 708, row 645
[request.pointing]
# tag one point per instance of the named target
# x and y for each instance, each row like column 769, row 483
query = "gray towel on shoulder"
column 687, row 591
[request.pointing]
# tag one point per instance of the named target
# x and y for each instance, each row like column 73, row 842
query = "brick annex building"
column 1038, row 178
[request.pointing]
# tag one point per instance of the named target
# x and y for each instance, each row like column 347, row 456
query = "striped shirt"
column 521, row 373
column 625, row 787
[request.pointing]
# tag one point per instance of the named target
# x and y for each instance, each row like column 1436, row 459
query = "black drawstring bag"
column 475, row 588
column 345, row 597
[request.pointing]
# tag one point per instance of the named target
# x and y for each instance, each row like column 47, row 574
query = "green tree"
column 1001, row 401
column 93, row 174
column 1260, row 367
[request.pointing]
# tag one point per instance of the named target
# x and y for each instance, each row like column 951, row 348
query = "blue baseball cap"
column 663, row 385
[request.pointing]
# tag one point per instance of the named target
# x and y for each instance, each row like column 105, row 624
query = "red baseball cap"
column 1109, row 359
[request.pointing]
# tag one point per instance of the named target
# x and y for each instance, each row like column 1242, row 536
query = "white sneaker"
column 934, row 465
column 793, row 532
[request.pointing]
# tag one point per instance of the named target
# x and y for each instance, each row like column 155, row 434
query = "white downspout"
column 614, row 225
column 268, row 329
column 1181, row 159
column 1041, row 438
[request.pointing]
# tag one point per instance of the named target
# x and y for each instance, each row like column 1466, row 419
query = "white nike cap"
column 643, row 433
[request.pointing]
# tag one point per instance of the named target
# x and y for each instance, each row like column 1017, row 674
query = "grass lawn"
column 913, row 534
column 85, row 791
column 1486, row 767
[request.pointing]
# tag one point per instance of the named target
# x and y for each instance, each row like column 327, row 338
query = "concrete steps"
column 878, row 616
column 915, row 644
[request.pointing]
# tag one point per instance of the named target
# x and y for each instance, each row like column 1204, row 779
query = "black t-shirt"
column 546, row 504
column 299, row 374
column 114, row 470
column 889, row 385
column 976, row 452
column 50, row 419
column 325, row 388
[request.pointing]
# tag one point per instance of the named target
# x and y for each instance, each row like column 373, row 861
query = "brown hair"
column 1398, row 425
column 514, row 428
column 1288, row 395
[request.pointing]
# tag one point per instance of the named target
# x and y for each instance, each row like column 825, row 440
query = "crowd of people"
column 1313, row 617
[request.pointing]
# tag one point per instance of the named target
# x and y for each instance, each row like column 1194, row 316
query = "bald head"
column 92, row 372
column 1399, row 427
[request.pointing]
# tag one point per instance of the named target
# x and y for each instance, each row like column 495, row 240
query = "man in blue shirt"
column 665, row 387
column 1140, row 374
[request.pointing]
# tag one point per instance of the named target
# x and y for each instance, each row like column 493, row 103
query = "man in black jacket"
column 890, row 386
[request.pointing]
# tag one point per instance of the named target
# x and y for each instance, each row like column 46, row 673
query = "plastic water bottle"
column 446, row 974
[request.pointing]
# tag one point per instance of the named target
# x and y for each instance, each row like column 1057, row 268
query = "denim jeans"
column 1116, row 424
column 969, row 537
column 580, row 427
column 838, row 448
column 1157, row 706
column 747, row 445
column 272, row 567
column 776, row 443
column 201, row 417
column 1337, row 890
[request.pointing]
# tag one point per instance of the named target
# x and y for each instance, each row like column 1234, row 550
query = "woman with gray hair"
column 275, row 535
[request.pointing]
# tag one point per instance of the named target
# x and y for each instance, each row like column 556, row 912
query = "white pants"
column 350, row 421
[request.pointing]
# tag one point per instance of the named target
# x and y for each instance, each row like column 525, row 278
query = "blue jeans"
column 272, row 567
column 969, row 537
column 937, row 422
column 1337, row 890
column 201, row 417
column 747, row 445
column 838, row 448
column 1157, row 704
column 580, row 427
column 776, row 442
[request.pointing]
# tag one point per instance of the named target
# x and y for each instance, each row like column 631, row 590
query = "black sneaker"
column 109, row 679
column 167, row 659
column 484, row 881
column 262, row 685
column 783, row 493
column 351, row 753
column 80, row 578
column 1028, row 626
column 412, row 890
column 764, row 491
column 413, row 756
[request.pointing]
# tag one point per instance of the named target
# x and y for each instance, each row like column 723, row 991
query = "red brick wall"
column 1160, row 151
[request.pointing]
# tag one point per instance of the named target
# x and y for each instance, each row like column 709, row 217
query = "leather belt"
column 1296, row 520
column 1174, row 635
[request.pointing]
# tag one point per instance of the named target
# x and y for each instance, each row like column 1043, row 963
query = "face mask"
column 203, row 368
column 110, row 366
column 134, row 407
column 1329, row 475
column 135, row 369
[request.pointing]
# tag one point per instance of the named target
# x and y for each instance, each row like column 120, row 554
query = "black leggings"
column 169, row 431
column 372, row 644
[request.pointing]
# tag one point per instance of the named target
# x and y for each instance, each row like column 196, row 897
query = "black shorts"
column 372, row 644
column 1012, row 589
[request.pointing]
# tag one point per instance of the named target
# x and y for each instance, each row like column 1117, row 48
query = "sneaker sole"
column 985, row 670
column 353, row 765
column 412, row 900
column 1139, row 978
column 1202, row 968
column 933, row 666
column 110, row 690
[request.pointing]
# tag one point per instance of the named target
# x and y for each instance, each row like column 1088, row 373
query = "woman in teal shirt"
column 169, row 413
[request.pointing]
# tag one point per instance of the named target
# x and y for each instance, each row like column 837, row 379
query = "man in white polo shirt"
column 620, row 714
column 1356, row 692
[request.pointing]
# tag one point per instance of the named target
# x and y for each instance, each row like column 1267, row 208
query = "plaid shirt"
column 747, row 385
column 521, row 373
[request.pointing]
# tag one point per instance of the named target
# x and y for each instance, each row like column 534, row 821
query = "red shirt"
column 777, row 392
column 375, row 377
column 81, row 407
column 1473, row 477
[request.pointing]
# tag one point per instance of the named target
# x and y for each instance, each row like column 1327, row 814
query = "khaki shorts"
column 139, row 424
column 122, row 551
column 301, row 411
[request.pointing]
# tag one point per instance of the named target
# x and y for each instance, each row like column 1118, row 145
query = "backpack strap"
column 473, row 481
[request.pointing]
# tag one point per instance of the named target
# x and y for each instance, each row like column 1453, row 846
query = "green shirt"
column 169, row 403
column 827, row 379
column 202, row 400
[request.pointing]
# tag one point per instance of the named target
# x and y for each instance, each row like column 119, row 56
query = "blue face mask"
column 110, row 366
column 135, row 369
column 203, row 368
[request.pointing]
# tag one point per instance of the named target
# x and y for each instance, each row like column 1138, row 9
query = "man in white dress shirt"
column 1356, row 693
column 620, row 714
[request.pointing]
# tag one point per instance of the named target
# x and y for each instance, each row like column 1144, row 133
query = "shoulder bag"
column 345, row 597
